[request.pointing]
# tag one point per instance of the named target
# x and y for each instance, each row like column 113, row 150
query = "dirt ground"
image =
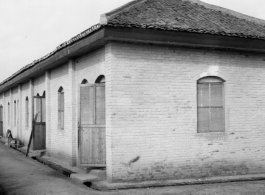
column 24, row 176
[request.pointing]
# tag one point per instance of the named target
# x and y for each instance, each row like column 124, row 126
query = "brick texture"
column 151, row 111
column 153, row 119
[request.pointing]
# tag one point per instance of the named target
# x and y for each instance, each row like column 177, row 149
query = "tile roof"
column 178, row 15
column 58, row 48
column 186, row 15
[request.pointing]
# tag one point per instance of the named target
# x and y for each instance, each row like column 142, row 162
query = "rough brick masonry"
column 151, row 111
column 154, row 113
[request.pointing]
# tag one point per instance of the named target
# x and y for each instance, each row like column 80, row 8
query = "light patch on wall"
column 212, row 71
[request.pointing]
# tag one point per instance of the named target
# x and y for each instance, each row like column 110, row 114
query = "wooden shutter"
column 203, row 108
column 100, row 104
column 27, row 112
column 87, row 96
column 18, row 113
column 1, row 114
column 210, row 106
column 62, row 110
column 15, row 113
column 217, row 109
column 9, row 115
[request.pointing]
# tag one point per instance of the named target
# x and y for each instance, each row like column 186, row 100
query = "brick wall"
column 64, row 143
column 39, row 85
column 87, row 67
column 26, row 129
column 61, row 144
column 152, row 113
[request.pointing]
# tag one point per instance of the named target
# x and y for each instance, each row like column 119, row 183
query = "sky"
column 30, row 29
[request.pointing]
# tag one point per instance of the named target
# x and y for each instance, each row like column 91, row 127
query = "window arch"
column 84, row 81
column 27, row 111
column 210, row 105
column 100, row 79
column 61, row 108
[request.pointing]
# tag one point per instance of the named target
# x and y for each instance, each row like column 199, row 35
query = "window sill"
column 213, row 135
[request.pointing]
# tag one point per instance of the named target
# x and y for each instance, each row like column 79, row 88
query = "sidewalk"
column 97, row 181
column 76, row 173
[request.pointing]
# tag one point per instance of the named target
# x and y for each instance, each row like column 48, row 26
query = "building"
column 160, row 89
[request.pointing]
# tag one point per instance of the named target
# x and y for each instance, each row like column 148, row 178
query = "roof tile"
column 183, row 15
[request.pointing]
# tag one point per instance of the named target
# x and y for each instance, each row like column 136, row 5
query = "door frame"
column 43, row 97
column 79, row 125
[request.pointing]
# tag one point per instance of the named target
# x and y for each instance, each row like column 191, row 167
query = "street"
column 24, row 176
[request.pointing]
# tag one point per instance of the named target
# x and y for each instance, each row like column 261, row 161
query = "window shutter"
column 43, row 102
column 27, row 113
column 210, row 105
column 62, row 110
column 87, row 104
column 203, row 108
column 15, row 114
column 203, row 95
column 59, row 109
column 100, row 104
column 1, row 113
column 217, row 110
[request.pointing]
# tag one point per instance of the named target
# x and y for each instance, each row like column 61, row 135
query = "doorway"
column 91, row 128
column 39, row 125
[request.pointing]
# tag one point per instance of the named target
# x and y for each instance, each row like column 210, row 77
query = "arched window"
column 43, row 107
column 100, row 79
column 15, row 113
column 8, row 110
column 1, row 113
column 61, row 108
column 1, row 120
column 18, row 113
column 27, row 111
column 84, row 81
column 210, row 105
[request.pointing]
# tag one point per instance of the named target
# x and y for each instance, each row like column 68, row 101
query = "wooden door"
column 92, row 144
column 39, row 133
column 1, row 120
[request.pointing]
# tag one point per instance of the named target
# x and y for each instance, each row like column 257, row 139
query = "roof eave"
column 61, row 57
column 182, row 38
column 134, row 35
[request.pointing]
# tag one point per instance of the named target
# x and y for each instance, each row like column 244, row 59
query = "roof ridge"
column 229, row 11
column 105, row 17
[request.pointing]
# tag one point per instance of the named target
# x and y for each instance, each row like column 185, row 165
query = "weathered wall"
column 7, row 101
column 152, row 119
column 14, row 112
column 39, row 85
column 26, row 129
column 89, row 67
column 64, row 143
column 60, row 143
